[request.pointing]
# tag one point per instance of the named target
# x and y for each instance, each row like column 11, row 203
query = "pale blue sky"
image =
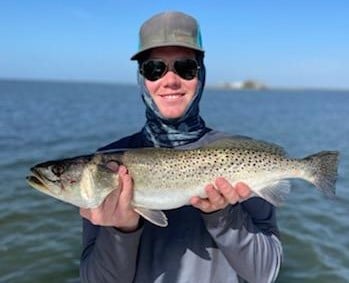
column 296, row 43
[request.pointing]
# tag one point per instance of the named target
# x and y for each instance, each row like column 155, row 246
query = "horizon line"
column 208, row 86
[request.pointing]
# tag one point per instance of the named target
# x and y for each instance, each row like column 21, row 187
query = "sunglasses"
column 154, row 69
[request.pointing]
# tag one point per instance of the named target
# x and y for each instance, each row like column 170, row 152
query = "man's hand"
column 116, row 210
column 220, row 195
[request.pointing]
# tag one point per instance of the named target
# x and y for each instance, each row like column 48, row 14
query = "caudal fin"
column 324, row 170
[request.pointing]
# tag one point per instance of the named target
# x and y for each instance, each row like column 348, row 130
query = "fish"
column 167, row 178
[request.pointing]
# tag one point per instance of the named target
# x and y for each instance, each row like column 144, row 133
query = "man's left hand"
column 220, row 195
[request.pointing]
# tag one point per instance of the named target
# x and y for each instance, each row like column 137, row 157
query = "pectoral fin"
column 156, row 217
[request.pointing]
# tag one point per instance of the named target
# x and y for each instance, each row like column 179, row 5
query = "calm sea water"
column 40, row 237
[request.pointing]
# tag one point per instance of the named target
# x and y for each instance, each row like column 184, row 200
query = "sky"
column 282, row 43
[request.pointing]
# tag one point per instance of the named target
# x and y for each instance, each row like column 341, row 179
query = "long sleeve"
column 108, row 254
column 246, row 234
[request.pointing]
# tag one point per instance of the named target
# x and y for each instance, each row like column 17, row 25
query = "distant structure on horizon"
column 240, row 85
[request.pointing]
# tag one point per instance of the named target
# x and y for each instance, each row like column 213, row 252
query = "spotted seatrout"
column 168, row 178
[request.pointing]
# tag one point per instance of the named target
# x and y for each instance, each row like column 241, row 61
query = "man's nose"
column 171, row 79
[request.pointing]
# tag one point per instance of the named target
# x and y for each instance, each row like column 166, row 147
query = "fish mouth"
column 36, row 180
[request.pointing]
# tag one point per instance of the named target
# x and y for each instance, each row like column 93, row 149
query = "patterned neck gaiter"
column 162, row 132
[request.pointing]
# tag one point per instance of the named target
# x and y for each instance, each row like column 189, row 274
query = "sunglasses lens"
column 187, row 68
column 153, row 70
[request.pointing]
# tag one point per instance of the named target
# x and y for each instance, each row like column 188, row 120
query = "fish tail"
column 324, row 171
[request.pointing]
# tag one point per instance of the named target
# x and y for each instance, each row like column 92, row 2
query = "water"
column 40, row 236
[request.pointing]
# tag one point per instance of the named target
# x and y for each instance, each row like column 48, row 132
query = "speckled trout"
column 168, row 178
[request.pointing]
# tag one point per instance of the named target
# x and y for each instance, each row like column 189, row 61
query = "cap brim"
column 174, row 44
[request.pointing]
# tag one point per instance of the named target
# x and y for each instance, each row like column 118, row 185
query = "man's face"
column 171, row 93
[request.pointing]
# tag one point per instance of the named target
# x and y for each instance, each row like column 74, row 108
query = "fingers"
column 122, row 170
column 227, row 190
column 233, row 194
column 126, row 186
column 215, row 197
column 220, row 195
column 243, row 190
column 199, row 203
column 213, row 202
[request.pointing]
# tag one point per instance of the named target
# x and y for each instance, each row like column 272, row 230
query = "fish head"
column 83, row 181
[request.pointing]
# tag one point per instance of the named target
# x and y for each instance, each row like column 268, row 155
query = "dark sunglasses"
column 154, row 69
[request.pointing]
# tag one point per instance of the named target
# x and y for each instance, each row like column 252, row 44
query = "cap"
column 169, row 29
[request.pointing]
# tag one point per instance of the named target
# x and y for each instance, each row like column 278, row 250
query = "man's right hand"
column 116, row 210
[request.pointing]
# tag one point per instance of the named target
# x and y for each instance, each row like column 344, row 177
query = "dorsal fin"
column 242, row 142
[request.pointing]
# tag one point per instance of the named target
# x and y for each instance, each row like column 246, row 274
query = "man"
column 220, row 238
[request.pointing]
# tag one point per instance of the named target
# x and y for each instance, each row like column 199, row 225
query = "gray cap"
column 169, row 29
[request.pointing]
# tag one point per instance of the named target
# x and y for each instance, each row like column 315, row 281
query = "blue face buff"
column 162, row 132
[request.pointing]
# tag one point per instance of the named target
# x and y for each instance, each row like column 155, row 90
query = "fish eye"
column 58, row 169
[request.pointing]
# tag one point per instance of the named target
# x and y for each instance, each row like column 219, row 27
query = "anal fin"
column 275, row 192
column 156, row 217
